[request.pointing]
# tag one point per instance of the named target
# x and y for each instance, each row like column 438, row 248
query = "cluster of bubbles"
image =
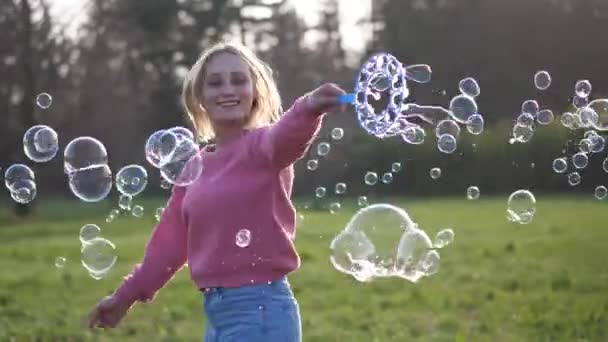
column 85, row 162
column 381, row 240
column 176, row 154
column 98, row 254
column 20, row 181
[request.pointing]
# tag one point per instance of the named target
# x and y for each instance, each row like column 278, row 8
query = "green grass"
column 547, row 281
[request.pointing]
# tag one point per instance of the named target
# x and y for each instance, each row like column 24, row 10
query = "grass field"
column 546, row 281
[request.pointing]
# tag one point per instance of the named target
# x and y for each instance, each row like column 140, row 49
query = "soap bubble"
column 131, row 180
column 600, row 108
column 447, row 143
column 362, row 201
column 521, row 207
column 462, row 107
column 98, row 257
column 580, row 160
column 16, row 174
column 182, row 132
column 337, row 133
column 138, row 211
column 366, row 247
column 323, row 149
column 183, row 165
column 600, row 192
column 84, row 152
column 396, row 167
column 443, row 238
column 312, row 164
column 560, row 165
column 89, row 232
column 473, row 192
column 525, row 119
column 44, row 100
column 435, row 173
column 334, row 208
column 582, row 88
column 568, row 120
column 387, row 178
column 320, row 192
column 542, row 80
column 40, row 143
column 92, row 183
column 580, row 102
column 420, row 73
column 522, row 133
column 125, row 201
column 340, row 188
column 243, row 238
column 371, row 178
column 449, row 127
column 24, row 191
column 469, row 87
column 605, row 165
column 159, row 145
column 413, row 135
column 475, row 124
column 545, row 117
column 574, row 178
column 415, row 259
column 530, row 106
column 60, row 262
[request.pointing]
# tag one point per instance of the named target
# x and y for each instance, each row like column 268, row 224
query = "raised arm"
column 288, row 139
column 165, row 254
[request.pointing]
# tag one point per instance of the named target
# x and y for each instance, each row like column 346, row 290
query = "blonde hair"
column 266, row 102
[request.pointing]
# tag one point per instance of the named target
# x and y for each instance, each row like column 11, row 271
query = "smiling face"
column 227, row 89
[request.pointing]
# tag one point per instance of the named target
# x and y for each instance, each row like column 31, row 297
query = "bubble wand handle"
column 346, row 98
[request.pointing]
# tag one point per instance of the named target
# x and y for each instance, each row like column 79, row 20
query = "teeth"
column 229, row 104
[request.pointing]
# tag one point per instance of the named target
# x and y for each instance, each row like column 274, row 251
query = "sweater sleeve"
column 287, row 140
column 165, row 254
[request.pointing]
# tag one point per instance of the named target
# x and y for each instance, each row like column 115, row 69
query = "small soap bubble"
column 337, row 133
column 525, row 119
column 574, row 178
column 584, row 146
column 447, row 144
column 131, row 180
column 530, row 106
column 580, row 102
column 600, row 192
column 567, row 120
column 60, row 262
column 88, row 232
column 362, row 201
column 340, row 188
column 443, row 238
column 138, row 211
column 396, row 167
column 475, row 124
column 24, row 191
column 413, row 135
column 320, row 192
column 323, row 149
column 371, row 178
column 44, row 100
column 125, row 201
column 16, row 174
column 605, row 165
column 243, row 238
column 473, row 193
column 580, row 160
column 435, row 173
column 582, row 88
column 420, row 73
column 387, row 178
column 449, row 127
column 542, row 80
column 164, row 184
column 159, row 213
column 334, row 208
column 98, row 256
column 40, row 143
column 545, row 116
column 469, row 86
column 312, row 164
column 521, row 207
column 522, row 133
column 560, row 165
column 462, row 107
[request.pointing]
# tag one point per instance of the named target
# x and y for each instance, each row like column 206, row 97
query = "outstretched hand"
column 107, row 313
column 324, row 99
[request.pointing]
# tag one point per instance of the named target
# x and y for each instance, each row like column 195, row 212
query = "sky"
column 70, row 12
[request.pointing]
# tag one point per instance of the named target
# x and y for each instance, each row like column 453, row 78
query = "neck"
column 225, row 133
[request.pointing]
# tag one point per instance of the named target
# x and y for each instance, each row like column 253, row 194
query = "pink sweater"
column 244, row 185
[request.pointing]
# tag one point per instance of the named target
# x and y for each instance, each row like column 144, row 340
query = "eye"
column 214, row 83
column 239, row 80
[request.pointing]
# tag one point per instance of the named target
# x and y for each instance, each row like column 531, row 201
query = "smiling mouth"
column 228, row 104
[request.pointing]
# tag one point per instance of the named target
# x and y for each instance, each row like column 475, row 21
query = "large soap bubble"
column 183, row 165
column 92, row 183
column 40, row 143
column 84, row 152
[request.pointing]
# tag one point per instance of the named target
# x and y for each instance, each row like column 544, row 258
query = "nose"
column 227, row 89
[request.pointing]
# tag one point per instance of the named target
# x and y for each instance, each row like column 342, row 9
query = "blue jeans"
column 261, row 312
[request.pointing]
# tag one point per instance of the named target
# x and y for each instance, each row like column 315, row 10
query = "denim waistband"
column 269, row 284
